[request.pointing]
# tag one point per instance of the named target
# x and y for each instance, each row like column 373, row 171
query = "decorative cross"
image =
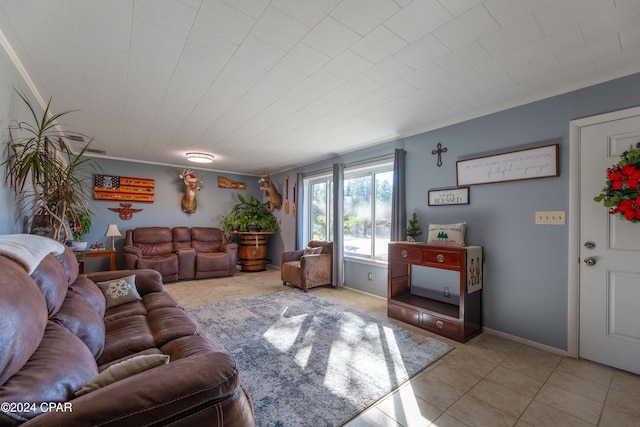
column 439, row 152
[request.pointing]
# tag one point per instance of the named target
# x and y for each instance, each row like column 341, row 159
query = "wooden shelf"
column 435, row 306
column 460, row 321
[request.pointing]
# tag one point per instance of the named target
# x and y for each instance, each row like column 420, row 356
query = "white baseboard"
column 363, row 292
column 524, row 341
column 510, row 337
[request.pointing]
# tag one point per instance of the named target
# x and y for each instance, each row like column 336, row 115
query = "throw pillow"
column 452, row 234
column 120, row 291
column 312, row 251
column 122, row 370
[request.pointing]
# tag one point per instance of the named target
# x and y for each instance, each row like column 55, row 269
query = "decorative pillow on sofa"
column 451, row 234
column 312, row 251
column 120, row 291
column 122, row 370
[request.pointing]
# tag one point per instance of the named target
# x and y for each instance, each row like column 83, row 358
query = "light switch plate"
column 550, row 217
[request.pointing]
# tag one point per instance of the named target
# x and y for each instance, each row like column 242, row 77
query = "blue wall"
column 213, row 202
column 11, row 109
column 526, row 265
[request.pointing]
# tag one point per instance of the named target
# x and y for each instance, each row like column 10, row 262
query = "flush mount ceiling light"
column 200, row 157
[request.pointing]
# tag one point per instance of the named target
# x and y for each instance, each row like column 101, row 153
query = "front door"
column 609, row 254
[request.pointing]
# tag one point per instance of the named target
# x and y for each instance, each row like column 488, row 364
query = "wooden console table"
column 438, row 288
column 97, row 254
column 252, row 250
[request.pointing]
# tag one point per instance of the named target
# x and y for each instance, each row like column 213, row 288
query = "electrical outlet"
column 447, row 292
column 370, row 276
column 550, row 217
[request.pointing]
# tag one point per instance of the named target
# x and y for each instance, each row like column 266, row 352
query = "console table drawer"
column 442, row 326
column 405, row 254
column 405, row 314
column 445, row 258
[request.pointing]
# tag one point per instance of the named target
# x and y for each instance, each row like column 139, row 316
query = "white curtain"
column 398, row 198
column 338, row 238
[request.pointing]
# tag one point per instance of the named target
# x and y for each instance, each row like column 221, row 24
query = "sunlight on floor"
column 362, row 350
column 405, row 407
column 392, row 351
column 283, row 334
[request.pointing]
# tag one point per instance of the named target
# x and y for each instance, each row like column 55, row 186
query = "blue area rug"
column 307, row 361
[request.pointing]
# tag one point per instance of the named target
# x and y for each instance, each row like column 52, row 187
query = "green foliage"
column 413, row 226
column 250, row 213
column 621, row 191
column 45, row 174
column 80, row 220
column 357, row 226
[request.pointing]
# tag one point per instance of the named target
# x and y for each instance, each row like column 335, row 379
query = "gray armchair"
column 307, row 271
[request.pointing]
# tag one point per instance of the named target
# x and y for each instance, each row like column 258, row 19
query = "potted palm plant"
column 46, row 176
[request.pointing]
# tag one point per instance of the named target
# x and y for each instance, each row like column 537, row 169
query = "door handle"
column 590, row 261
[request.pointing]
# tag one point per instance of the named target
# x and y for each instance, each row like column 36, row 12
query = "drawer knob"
column 404, row 254
column 439, row 324
column 440, row 258
column 403, row 312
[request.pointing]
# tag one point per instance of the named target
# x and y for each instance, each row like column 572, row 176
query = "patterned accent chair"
column 306, row 269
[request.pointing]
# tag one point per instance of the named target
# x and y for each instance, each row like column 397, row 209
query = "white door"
column 610, row 288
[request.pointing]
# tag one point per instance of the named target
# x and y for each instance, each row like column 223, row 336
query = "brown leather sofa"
column 56, row 336
column 181, row 252
column 306, row 270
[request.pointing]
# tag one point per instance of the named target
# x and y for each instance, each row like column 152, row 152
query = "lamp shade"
column 112, row 231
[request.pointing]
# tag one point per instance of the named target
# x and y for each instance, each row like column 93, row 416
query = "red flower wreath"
column 620, row 193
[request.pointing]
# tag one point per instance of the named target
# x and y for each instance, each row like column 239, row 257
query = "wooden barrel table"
column 252, row 250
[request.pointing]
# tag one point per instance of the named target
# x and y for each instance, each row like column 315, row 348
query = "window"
column 321, row 201
column 366, row 208
column 367, row 211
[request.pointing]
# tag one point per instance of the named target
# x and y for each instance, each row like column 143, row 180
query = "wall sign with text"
column 531, row 163
column 449, row 196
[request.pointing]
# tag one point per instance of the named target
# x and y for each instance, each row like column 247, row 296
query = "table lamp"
column 113, row 232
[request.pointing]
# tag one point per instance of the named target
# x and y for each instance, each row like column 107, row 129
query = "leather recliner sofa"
column 180, row 253
column 57, row 335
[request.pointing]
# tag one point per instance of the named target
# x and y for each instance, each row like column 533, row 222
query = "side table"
column 96, row 254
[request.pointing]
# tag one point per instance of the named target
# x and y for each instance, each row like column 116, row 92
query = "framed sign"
column 122, row 188
column 449, row 196
column 530, row 163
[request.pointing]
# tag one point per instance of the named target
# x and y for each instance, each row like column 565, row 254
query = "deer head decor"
column 275, row 199
column 189, row 202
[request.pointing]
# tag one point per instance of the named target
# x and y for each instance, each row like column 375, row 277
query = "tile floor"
column 490, row 381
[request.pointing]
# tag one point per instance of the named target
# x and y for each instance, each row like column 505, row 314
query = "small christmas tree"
column 413, row 227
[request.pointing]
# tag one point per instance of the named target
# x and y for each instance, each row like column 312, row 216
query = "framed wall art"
column 449, row 196
column 530, row 163
column 122, row 188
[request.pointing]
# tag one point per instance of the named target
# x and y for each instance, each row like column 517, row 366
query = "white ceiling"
column 274, row 84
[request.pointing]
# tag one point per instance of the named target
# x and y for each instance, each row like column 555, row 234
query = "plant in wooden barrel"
column 250, row 215
column 250, row 221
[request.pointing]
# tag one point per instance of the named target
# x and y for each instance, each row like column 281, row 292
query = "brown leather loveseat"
column 181, row 252
column 72, row 353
